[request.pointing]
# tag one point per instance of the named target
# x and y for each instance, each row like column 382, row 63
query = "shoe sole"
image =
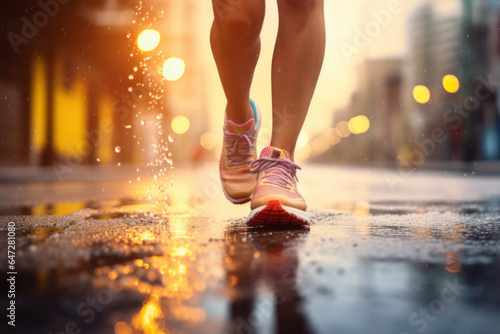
column 236, row 200
column 275, row 214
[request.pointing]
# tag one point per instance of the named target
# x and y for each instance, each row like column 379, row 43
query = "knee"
column 237, row 21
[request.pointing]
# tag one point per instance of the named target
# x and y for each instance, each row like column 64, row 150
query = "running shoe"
column 276, row 200
column 238, row 151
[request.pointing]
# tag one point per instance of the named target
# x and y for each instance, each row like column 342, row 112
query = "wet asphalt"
column 388, row 251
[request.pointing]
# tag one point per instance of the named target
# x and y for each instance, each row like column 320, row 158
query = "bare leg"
column 236, row 47
column 297, row 61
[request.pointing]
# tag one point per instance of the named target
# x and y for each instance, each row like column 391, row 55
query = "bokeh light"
column 332, row 136
column 208, row 141
column 421, row 94
column 359, row 124
column 343, row 129
column 180, row 124
column 148, row 40
column 451, row 83
column 173, row 68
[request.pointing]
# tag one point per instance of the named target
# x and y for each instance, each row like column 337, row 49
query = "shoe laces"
column 239, row 146
column 279, row 171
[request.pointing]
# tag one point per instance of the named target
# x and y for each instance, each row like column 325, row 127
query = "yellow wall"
column 70, row 113
column 70, row 116
column 105, row 110
column 38, row 130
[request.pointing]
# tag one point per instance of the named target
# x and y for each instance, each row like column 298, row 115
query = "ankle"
column 239, row 113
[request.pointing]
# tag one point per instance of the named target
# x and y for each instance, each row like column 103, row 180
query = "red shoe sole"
column 274, row 215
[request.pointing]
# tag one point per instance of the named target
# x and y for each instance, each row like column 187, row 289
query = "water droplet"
column 159, row 116
column 136, row 68
column 130, row 89
column 131, row 77
column 98, row 160
column 171, row 138
column 143, row 122
column 128, row 126
column 119, row 164
column 118, row 149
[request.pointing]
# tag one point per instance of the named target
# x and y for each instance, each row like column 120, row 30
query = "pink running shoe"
column 276, row 200
column 238, row 151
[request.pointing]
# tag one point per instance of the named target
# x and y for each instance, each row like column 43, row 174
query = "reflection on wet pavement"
column 371, row 266
column 404, row 208
column 261, row 269
column 64, row 208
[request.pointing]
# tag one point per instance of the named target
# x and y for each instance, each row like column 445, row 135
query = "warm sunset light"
column 173, row 68
column 421, row 94
column 303, row 139
column 147, row 318
column 250, row 166
column 148, row 40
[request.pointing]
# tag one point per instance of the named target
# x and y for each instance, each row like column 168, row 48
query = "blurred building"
column 453, row 37
column 437, row 103
column 378, row 99
column 67, row 97
column 435, row 50
column 485, row 22
column 61, row 67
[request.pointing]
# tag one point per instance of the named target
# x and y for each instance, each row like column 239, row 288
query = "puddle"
column 113, row 215
column 40, row 234
column 406, row 208
column 59, row 209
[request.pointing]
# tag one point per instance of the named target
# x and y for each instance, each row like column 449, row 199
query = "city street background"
column 112, row 113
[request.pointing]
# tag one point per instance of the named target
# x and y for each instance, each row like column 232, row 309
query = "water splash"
column 148, row 85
